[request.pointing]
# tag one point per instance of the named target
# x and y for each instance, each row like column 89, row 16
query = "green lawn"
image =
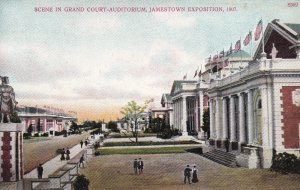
column 158, row 150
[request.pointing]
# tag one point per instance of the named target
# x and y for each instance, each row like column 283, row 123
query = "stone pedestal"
column 11, row 153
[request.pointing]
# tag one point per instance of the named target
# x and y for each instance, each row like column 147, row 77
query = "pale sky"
column 94, row 63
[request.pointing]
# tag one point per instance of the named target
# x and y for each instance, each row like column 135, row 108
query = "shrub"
column 36, row 135
column 58, row 133
column 26, row 135
column 97, row 153
column 286, row 163
column 81, row 183
column 44, row 135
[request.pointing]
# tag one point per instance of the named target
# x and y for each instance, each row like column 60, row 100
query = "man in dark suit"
column 40, row 170
column 141, row 165
column 187, row 174
column 135, row 166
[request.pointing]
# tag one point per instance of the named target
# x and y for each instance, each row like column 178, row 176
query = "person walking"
column 68, row 154
column 135, row 166
column 62, row 157
column 195, row 177
column 140, row 165
column 40, row 170
column 81, row 143
column 81, row 161
column 187, row 174
column 86, row 142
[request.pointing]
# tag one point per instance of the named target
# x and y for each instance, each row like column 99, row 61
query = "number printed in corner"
column 293, row 4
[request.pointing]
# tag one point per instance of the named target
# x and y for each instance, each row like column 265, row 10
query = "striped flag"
column 200, row 73
column 229, row 51
column 247, row 38
column 225, row 63
column 237, row 46
column 258, row 30
column 221, row 54
column 215, row 57
column 195, row 73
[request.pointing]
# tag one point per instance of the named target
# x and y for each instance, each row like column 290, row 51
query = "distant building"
column 50, row 119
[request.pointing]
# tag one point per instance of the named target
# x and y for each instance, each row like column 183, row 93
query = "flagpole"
column 241, row 51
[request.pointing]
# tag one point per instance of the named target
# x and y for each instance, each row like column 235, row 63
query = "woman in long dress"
column 195, row 177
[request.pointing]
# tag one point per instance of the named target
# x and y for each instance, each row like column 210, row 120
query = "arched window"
column 259, row 104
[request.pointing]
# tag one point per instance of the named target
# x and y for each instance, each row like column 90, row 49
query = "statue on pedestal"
column 7, row 100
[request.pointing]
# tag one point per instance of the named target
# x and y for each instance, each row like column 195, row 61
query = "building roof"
column 178, row 84
column 290, row 32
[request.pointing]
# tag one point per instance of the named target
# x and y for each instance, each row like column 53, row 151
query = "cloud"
column 175, row 20
column 34, row 64
column 96, row 25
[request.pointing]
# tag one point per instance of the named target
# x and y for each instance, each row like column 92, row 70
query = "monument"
column 11, row 140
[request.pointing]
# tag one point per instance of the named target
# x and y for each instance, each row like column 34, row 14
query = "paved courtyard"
column 165, row 171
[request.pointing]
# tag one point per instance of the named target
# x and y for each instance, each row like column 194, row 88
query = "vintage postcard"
column 149, row 94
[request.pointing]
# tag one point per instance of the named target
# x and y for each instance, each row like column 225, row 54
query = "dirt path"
column 41, row 152
column 165, row 171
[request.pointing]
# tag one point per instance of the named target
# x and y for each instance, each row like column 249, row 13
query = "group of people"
column 138, row 166
column 85, row 142
column 187, row 174
column 65, row 152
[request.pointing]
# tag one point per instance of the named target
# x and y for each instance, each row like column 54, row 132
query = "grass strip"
column 144, row 143
column 158, row 150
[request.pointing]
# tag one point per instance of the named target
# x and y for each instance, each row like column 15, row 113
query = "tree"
column 113, row 126
column 39, row 126
column 206, row 123
column 74, row 127
column 132, row 112
column 30, row 129
column 81, row 183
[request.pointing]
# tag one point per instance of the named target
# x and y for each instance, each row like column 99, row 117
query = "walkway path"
column 55, row 163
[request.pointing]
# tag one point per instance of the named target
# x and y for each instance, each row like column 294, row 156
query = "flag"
column 237, row 46
column 200, row 73
column 215, row 57
column 221, row 54
column 258, row 30
column 247, row 38
column 184, row 77
column 195, row 73
column 225, row 63
column 209, row 59
column 229, row 51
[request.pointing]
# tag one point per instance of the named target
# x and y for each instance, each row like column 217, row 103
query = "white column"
column 250, row 116
column 242, row 118
column 266, row 127
column 218, row 119
column 201, row 107
column 298, row 53
column 54, row 127
column 232, row 120
column 184, row 116
column 211, row 119
column 196, row 113
column 171, row 119
column 224, row 112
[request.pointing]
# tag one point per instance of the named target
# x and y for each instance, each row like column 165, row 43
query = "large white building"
column 254, row 104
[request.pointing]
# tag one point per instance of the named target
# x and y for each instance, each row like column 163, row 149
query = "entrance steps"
column 221, row 157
